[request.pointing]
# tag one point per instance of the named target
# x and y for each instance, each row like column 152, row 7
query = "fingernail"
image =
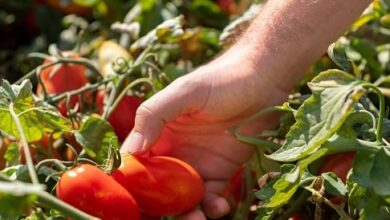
column 133, row 143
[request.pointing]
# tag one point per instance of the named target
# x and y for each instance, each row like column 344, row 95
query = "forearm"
column 289, row 35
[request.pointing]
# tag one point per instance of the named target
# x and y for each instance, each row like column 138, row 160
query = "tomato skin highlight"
column 67, row 78
column 122, row 119
column 162, row 186
column 89, row 189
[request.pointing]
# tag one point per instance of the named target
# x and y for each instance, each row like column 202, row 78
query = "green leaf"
column 98, row 138
column 362, row 166
column 265, row 213
column 87, row 3
column 368, row 205
column 35, row 117
column 379, row 174
column 357, row 124
column 151, row 15
column 334, row 185
column 338, row 56
column 335, row 94
column 368, row 52
column 12, row 155
column 266, row 192
column 17, row 198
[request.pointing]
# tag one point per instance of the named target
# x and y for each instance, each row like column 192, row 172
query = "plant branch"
column 26, row 149
column 381, row 112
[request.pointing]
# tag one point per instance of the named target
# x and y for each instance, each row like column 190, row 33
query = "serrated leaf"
column 97, row 136
column 334, row 185
column 335, row 94
column 293, row 177
column 34, row 117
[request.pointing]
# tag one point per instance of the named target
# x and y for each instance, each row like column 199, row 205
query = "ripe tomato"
column 67, row 78
column 4, row 142
column 123, row 117
column 226, row 5
column 70, row 8
column 42, row 149
column 91, row 190
column 340, row 164
column 296, row 217
column 162, row 186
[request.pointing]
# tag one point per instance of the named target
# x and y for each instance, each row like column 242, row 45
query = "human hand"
column 190, row 118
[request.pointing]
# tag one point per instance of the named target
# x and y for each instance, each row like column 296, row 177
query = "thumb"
column 179, row 98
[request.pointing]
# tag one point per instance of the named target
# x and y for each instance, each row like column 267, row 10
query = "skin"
column 189, row 118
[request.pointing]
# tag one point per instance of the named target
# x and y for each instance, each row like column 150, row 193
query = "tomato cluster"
column 147, row 182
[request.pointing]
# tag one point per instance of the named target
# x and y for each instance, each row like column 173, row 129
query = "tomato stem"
column 26, row 149
column 124, row 92
column 381, row 115
column 86, row 87
column 338, row 208
column 111, row 99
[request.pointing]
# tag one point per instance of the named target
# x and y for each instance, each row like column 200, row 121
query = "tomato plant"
column 42, row 149
column 91, row 190
column 123, row 117
column 62, row 78
column 340, row 164
column 161, row 185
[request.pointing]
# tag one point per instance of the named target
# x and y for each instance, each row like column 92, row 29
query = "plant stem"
column 124, row 91
column 80, row 90
column 339, row 209
column 121, row 80
column 26, row 149
column 381, row 112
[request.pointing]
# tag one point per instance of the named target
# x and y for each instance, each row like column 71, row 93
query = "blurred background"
column 32, row 25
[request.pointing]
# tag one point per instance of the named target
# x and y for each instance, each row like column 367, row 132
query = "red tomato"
column 3, row 149
column 340, row 164
column 70, row 8
column 42, row 149
column 226, row 5
column 67, row 78
column 91, row 190
column 296, row 217
column 122, row 118
column 162, row 186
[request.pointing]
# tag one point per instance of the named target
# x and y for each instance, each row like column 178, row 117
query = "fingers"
column 181, row 97
column 214, row 205
column 192, row 215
